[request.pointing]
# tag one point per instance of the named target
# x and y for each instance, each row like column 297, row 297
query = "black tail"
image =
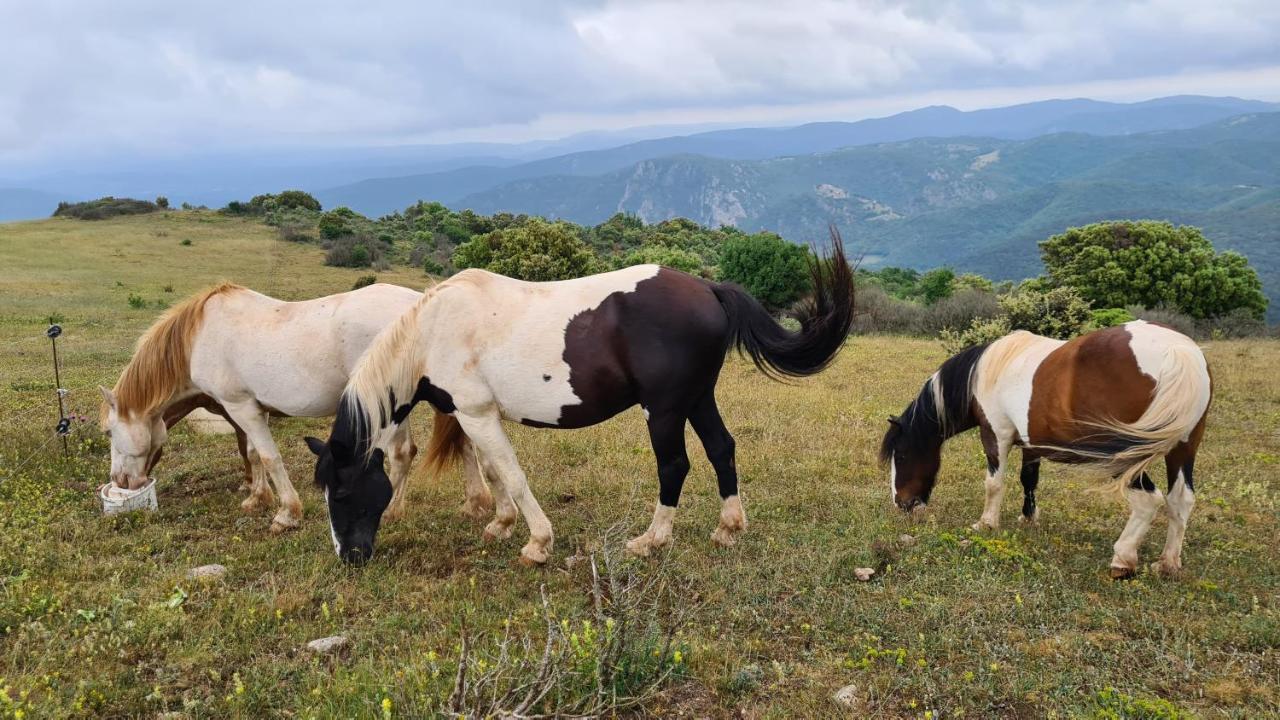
column 825, row 319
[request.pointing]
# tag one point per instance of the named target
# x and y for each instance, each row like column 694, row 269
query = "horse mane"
column 389, row 369
column 942, row 407
column 161, row 362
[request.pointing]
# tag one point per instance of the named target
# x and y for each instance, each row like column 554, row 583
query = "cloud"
column 129, row 75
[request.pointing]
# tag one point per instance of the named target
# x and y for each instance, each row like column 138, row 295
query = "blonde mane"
column 161, row 362
column 995, row 361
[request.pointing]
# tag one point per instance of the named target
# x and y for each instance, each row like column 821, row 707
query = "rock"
column 206, row 423
column 207, row 572
column 847, row 696
column 907, row 540
column 863, row 574
column 328, row 645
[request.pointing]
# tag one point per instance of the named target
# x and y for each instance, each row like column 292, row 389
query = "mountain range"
column 974, row 190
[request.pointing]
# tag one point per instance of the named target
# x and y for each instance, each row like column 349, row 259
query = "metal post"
column 64, row 424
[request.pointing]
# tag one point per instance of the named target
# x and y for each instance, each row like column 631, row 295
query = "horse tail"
column 448, row 442
column 825, row 318
column 1178, row 403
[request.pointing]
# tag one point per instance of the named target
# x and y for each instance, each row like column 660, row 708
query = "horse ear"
column 108, row 397
column 377, row 457
column 895, row 420
column 341, row 452
column 317, row 445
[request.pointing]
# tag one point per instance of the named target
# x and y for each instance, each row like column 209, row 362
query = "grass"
column 97, row 617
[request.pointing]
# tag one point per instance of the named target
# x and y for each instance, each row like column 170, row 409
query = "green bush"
column 1110, row 317
column 666, row 256
column 538, row 250
column 364, row 281
column 935, row 285
column 355, row 251
column 338, row 222
column 105, row 207
column 773, row 270
column 162, row 202
column 1058, row 313
column 137, row 302
column 1152, row 264
column 979, row 331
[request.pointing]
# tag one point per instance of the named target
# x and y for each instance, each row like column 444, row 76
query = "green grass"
column 98, row 619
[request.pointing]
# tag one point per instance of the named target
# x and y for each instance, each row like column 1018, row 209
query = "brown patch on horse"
column 1094, row 378
column 161, row 362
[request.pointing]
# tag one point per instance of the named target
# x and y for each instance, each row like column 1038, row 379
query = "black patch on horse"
column 439, row 398
column 921, row 426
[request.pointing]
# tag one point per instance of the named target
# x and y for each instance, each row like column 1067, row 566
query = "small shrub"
column 1238, row 323
column 1109, row 317
column 431, row 267
column 136, row 301
column 185, row 242
column 293, row 232
column 959, row 310
column 364, row 281
column 879, row 312
column 104, row 207
column 56, row 318
column 354, row 251
column 1058, row 313
column 1181, row 322
column 980, row 330
column 168, row 288
column 666, row 256
column 162, row 202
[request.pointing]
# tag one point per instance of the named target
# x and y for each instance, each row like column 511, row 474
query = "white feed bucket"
column 119, row 500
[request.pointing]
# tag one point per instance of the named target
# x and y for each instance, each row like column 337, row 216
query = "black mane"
column 921, row 425
column 349, row 440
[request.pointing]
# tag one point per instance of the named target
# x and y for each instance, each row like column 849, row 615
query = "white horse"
column 246, row 356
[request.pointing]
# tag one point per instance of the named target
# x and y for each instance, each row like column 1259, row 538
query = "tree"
column 162, row 202
column 936, row 285
column 536, row 250
column 773, row 270
column 336, row 222
column 1152, row 264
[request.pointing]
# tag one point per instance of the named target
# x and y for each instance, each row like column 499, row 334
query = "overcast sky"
column 127, row 74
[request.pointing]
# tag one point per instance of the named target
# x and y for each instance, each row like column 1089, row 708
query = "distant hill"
column 24, row 203
column 975, row 203
column 386, row 194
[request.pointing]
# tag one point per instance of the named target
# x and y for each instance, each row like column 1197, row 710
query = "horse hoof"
column 725, row 537
column 1123, row 573
column 283, row 524
column 981, row 526
column 640, row 547
column 1030, row 520
column 1166, row 570
column 253, row 504
column 533, row 557
column 497, row 531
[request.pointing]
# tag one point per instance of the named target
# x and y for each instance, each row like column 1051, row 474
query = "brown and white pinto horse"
column 482, row 347
column 1119, row 398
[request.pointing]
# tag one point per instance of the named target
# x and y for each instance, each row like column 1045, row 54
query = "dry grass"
column 98, row 619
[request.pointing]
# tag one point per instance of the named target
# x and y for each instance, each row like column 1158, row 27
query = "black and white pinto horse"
column 1119, row 398
column 482, row 347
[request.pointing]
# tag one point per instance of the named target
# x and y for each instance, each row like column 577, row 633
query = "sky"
column 95, row 77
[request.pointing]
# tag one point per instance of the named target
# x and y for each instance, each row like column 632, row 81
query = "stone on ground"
column 863, row 574
column 328, row 645
column 207, row 572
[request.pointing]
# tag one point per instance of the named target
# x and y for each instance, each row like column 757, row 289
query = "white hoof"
column 498, row 529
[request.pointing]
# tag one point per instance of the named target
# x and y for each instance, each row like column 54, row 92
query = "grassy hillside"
column 98, row 618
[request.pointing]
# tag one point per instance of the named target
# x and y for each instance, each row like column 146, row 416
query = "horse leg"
column 479, row 500
column 666, row 434
column 260, row 495
column 499, row 458
column 1144, row 500
column 719, row 445
column 402, row 454
column 1179, row 465
column 250, row 416
column 997, row 452
column 1030, row 477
